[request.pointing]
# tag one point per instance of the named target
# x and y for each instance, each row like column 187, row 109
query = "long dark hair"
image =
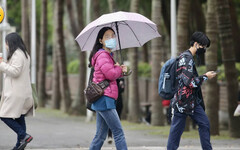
column 97, row 44
column 14, row 42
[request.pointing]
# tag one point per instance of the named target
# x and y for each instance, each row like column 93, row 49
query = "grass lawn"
column 164, row 131
column 152, row 130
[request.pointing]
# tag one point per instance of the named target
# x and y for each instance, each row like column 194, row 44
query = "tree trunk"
column 197, row 16
column 182, row 25
column 212, row 87
column 25, row 27
column 96, row 8
column 183, row 33
column 228, row 57
column 43, row 56
column 82, row 67
column 133, row 102
column 64, row 86
column 145, row 53
column 235, row 29
column 78, row 105
column 157, row 52
column 56, row 96
column 166, row 15
column 112, row 5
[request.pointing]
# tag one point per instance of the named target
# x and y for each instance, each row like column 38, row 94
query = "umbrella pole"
column 119, row 43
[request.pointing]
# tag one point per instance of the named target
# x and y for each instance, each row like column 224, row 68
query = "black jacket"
column 189, row 92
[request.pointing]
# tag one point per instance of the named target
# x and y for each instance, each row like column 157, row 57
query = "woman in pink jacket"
column 101, row 58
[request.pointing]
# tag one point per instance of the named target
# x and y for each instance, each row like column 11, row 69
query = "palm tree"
column 25, row 23
column 56, row 96
column 133, row 101
column 61, row 56
column 112, row 5
column 228, row 57
column 43, row 56
column 182, row 25
column 78, row 105
column 236, row 30
column 183, row 32
column 96, row 7
column 157, row 54
column 212, row 87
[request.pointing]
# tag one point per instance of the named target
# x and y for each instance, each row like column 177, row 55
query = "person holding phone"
column 16, row 101
column 188, row 100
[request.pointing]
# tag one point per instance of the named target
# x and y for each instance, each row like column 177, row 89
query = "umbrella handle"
column 127, row 73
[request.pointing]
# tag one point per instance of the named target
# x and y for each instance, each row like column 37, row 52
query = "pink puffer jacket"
column 103, row 64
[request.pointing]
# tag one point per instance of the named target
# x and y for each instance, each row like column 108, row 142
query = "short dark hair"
column 200, row 38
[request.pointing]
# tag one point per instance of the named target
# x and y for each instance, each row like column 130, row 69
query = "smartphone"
column 217, row 71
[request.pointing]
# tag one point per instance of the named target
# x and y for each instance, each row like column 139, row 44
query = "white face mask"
column 111, row 43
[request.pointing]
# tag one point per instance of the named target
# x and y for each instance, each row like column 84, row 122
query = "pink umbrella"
column 133, row 30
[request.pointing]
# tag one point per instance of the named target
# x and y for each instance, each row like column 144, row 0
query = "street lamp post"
column 33, row 42
column 4, row 27
column 173, row 29
column 88, row 3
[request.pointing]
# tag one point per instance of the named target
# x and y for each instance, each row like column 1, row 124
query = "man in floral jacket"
column 188, row 100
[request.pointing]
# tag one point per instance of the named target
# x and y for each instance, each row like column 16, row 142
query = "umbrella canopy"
column 132, row 30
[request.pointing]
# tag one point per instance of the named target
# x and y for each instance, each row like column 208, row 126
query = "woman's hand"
column 211, row 74
column 117, row 64
column 124, row 68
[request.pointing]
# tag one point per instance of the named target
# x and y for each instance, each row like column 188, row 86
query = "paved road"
column 73, row 133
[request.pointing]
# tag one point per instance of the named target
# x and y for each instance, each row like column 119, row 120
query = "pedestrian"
column 188, row 100
column 119, row 104
column 16, row 100
column 237, row 110
column 101, row 58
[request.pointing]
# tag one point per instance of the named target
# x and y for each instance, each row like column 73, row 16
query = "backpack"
column 167, row 84
column 167, row 80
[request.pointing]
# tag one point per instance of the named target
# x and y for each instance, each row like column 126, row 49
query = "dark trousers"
column 178, row 125
column 18, row 125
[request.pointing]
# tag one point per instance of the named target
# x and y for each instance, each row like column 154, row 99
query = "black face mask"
column 200, row 51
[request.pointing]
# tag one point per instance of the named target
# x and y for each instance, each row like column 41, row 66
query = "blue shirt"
column 104, row 103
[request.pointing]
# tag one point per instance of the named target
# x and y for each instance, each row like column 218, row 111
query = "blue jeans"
column 105, row 120
column 178, row 125
column 18, row 125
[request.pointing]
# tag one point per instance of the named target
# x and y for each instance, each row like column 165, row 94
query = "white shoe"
column 110, row 140
column 237, row 111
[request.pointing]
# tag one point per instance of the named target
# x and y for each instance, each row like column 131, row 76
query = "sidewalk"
column 60, row 132
column 145, row 148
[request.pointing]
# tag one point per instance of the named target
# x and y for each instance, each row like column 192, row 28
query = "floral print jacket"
column 189, row 92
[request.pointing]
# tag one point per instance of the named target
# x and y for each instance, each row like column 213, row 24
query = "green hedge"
column 73, row 67
column 144, row 69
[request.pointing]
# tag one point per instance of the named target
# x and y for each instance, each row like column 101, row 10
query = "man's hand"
column 211, row 74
